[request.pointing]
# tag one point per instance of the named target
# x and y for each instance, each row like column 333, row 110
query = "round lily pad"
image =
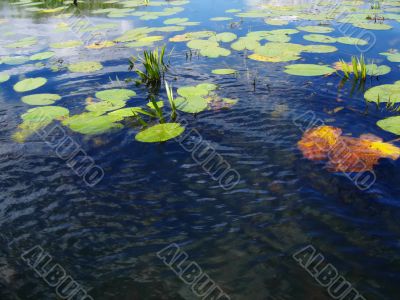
column 308, row 70
column 192, row 105
column 352, row 41
column 23, row 43
column 316, row 29
column 375, row 70
column 391, row 124
column 115, row 94
column 224, row 37
column 160, row 133
column 41, row 99
column 319, row 38
column 85, row 67
column 384, row 93
column 29, row 84
column 104, row 106
column 192, row 91
column 4, row 77
column 223, row 71
column 36, row 118
column 372, row 26
column 394, row 57
column 207, row 86
column 66, row 44
column 42, row 55
column 94, row 125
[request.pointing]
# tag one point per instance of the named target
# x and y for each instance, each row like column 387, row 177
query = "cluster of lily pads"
column 386, row 93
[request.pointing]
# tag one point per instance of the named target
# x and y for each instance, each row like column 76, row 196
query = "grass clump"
column 154, row 66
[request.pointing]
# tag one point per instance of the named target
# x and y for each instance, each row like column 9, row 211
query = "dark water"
column 107, row 236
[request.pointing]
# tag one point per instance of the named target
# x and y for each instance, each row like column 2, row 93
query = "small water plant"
column 357, row 66
column 154, row 66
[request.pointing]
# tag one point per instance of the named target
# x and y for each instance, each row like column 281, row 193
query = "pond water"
column 105, row 231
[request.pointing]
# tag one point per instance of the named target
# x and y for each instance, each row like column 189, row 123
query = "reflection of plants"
column 156, row 108
column 154, row 66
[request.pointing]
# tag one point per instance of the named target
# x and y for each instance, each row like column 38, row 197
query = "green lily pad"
column 105, row 106
column 29, row 84
column 372, row 26
column 352, row 41
column 24, row 43
column 308, row 70
column 175, row 21
column 394, row 57
column 42, row 55
column 41, row 99
column 192, row 91
column 319, row 38
column 391, row 124
column 224, row 71
column 4, row 77
column 85, row 67
column 115, row 95
column 36, row 118
column 224, row 37
column 14, row 60
column 207, row 86
column 245, row 43
column 375, row 70
column 218, row 19
column 319, row 49
column 384, row 93
column 192, row 105
column 66, row 44
column 127, row 112
column 316, row 29
column 160, row 133
column 94, row 125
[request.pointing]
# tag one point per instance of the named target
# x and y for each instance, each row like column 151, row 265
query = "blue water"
column 107, row 236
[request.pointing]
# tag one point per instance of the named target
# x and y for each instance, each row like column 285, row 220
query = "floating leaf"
column 372, row 26
column 394, row 57
column 316, row 29
column 319, row 38
column 41, row 99
column 24, row 43
column 384, row 93
column 94, row 125
column 36, row 118
column 115, row 95
column 85, row 67
column 160, row 133
column 29, row 84
column 192, row 105
column 224, row 37
column 375, row 70
column 4, row 77
column 308, row 70
column 42, row 55
column 224, row 71
column 105, row 106
column 101, row 45
column 352, row 41
column 220, row 19
column 67, row 44
column 391, row 124
column 175, row 21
